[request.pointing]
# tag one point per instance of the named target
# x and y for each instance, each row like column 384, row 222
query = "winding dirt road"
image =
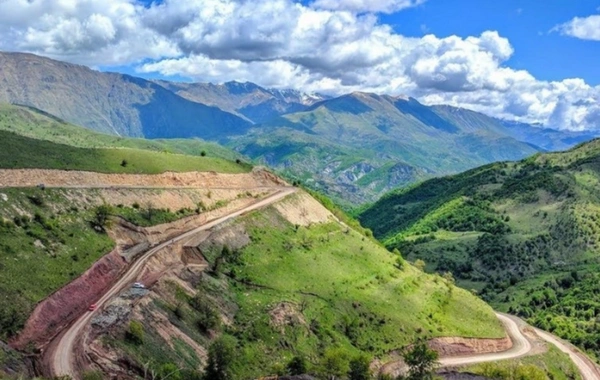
column 521, row 346
column 587, row 369
column 61, row 356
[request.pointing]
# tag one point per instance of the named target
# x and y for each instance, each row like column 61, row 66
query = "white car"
column 139, row 285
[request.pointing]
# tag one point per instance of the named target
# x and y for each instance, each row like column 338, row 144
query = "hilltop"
column 523, row 234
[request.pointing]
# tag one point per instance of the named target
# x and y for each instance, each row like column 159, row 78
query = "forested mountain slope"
column 525, row 235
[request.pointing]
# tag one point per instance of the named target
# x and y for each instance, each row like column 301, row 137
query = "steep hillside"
column 525, row 235
column 109, row 102
column 280, row 282
column 248, row 100
column 359, row 146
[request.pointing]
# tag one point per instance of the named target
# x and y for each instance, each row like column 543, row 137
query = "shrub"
column 359, row 368
column 208, row 317
column 297, row 366
column 220, row 356
column 135, row 333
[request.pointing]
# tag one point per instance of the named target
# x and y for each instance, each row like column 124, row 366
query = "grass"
column 346, row 292
column 147, row 215
column 42, row 252
column 36, row 124
column 23, row 152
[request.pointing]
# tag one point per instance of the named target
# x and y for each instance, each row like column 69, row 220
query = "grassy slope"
column 526, row 235
column 36, row 124
column 40, row 254
column 348, row 291
column 23, row 152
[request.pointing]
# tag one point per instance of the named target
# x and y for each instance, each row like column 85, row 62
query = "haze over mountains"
column 354, row 147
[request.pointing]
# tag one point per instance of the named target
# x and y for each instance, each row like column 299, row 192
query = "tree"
column 297, row 366
column 208, row 317
column 203, row 153
column 360, row 368
column 335, row 363
column 420, row 265
column 101, row 219
column 421, row 361
column 135, row 333
column 220, row 357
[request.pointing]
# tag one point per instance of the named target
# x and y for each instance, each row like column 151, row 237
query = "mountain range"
column 354, row 147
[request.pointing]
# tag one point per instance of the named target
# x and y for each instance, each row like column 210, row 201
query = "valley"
column 523, row 235
column 353, row 147
column 166, row 230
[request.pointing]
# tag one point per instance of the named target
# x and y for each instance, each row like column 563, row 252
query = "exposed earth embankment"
column 66, row 178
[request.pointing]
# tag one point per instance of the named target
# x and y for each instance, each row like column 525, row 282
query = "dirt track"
column 60, row 356
column 81, row 179
column 587, row 369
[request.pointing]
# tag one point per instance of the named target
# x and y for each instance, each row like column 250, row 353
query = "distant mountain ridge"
column 355, row 147
column 247, row 100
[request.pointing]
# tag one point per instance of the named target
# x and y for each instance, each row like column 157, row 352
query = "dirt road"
column 61, row 357
column 587, row 369
column 521, row 346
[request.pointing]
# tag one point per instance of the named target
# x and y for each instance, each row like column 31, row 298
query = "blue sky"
column 526, row 23
column 532, row 61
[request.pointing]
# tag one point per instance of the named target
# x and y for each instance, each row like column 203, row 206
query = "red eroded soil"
column 60, row 309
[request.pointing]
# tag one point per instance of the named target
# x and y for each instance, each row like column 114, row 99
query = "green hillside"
column 525, row 235
column 359, row 146
column 37, row 124
column 338, row 291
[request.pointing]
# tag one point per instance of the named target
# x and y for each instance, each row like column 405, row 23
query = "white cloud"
column 362, row 6
column 83, row 31
column 585, row 28
column 282, row 44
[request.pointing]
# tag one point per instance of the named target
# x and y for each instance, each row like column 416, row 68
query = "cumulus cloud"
column 335, row 48
column 585, row 28
column 361, row 6
column 83, row 31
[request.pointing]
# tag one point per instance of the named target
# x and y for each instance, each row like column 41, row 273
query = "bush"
column 297, row 366
column 335, row 363
column 135, row 333
column 220, row 356
column 421, row 361
column 208, row 317
column 360, row 368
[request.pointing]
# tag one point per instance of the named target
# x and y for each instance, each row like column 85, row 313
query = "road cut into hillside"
column 61, row 356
